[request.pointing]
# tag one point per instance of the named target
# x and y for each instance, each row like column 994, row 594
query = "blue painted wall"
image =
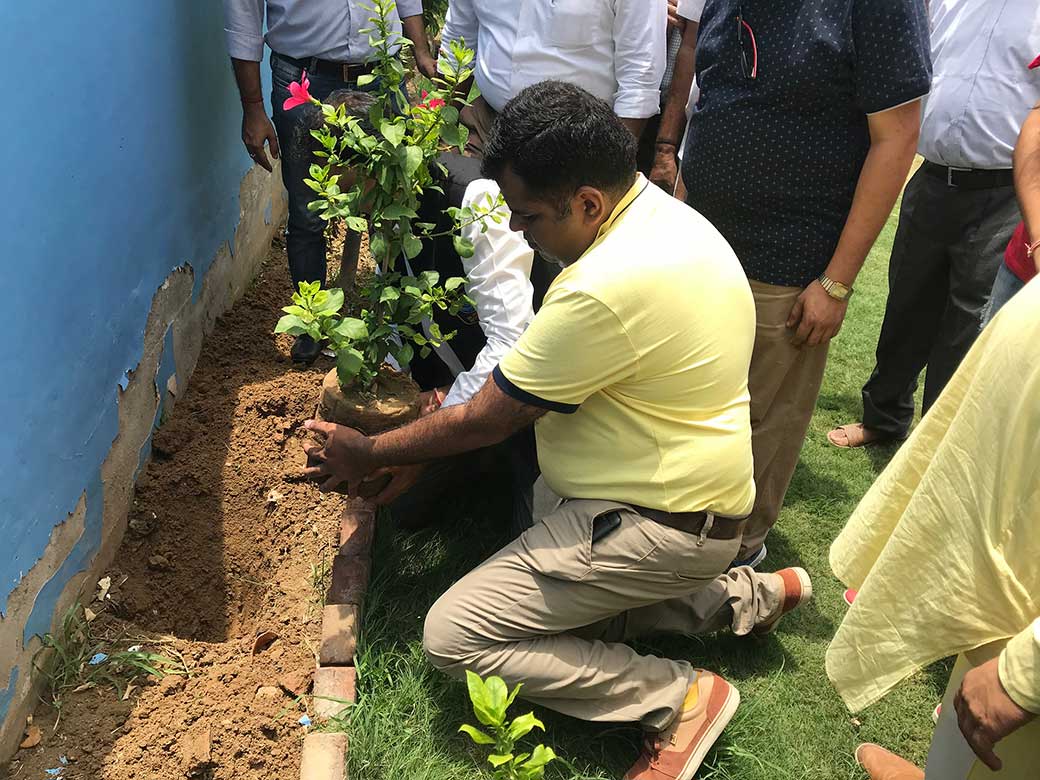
column 120, row 160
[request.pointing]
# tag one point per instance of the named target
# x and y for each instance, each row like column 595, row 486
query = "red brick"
column 357, row 529
column 334, row 682
column 339, row 627
column 349, row 580
column 324, row 756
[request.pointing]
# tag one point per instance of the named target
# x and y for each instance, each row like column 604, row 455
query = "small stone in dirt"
column 159, row 563
column 33, row 736
column 196, row 753
column 263, row 641
column 296, row 683
column 268, row 692
column 170, row 684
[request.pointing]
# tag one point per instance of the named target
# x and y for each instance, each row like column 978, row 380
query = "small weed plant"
column 392, row 160
column 73, row 659
column 491, row 699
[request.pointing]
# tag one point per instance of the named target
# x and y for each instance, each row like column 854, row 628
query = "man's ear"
column 593, row 204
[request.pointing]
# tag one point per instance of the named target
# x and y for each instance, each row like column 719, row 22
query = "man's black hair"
column 557, row 138
column 357, row 105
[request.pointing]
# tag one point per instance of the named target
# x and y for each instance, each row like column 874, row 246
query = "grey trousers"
column 948, row 247
column 553, row 608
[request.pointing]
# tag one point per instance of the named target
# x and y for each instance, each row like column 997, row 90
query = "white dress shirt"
column 327, row 29
column 981, row 87
column 615, row 49
column 499, row 275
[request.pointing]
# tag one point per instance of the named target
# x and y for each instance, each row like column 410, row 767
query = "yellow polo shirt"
column 641, row 353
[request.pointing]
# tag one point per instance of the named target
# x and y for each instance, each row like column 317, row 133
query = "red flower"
column 434, row 104
column 299, row 93
column 1034, row 64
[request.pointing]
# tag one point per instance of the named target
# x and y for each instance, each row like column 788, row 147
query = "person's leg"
column 1005, row 286
column 918, row 285
column 974, row 261
column 305, row 230
column 478, row 119
column 516, row 614
column 784, row 382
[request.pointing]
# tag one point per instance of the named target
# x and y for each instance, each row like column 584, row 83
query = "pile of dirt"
column 225, row 543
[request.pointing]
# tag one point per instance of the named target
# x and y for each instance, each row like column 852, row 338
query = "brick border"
column 324, row 754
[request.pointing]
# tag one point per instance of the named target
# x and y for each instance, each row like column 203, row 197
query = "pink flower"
column 434, row 104
column 299, row 93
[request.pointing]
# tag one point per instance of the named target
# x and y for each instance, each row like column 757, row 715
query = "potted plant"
column 371, row 175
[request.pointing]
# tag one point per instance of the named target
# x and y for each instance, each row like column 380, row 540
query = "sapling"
column 491, row 699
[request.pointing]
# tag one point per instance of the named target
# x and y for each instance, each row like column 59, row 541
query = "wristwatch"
column 836, row 290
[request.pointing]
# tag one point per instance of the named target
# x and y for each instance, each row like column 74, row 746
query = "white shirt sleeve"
column 244, row 29
column 691, row 10
column 499, row 275
column 640, row 42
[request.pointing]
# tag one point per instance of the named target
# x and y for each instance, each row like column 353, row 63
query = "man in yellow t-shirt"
column 634, row 373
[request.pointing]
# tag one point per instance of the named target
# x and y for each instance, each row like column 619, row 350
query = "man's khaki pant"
column 784, row 383
column 552, row 608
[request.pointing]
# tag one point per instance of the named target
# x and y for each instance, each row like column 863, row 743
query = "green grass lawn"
column 791, row 723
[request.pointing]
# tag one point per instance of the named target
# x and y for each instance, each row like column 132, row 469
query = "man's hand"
column 665, row 170
column 430, row 401
column 816, row 317
column 674, row 20
column 256, row 130
column 343, row 458
column 402, row 479
column 985, row 713
column 426, row 64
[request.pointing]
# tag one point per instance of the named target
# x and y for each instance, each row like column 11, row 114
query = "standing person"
column 796, row 151
column 634, row 374
column 323, row 38
column 615, row 49
column 958, row 211
column 943, row 552
column 1022, row 257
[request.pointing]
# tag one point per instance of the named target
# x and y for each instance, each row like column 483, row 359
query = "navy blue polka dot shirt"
column 773, row 160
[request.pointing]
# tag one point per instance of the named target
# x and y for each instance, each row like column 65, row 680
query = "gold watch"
column 836, row 290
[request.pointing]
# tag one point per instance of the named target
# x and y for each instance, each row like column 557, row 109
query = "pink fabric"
column 1015, row 255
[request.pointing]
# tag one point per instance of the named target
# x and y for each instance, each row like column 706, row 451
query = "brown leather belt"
column 347, row 71
column 693, row 522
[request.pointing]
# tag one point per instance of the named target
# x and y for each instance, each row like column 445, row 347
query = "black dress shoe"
column 305, row 350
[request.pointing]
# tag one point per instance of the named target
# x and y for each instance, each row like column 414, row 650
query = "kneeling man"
column 634, row 373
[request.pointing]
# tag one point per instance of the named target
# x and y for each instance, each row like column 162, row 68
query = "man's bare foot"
column 855, row 435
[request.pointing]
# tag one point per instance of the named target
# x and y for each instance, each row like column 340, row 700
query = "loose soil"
column 225, row 543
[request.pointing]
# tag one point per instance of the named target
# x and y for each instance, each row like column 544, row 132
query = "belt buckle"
column 949, row 174
column 346, row 71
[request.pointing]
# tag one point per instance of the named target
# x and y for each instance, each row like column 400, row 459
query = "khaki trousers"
column 552, row 608
column 784, row 382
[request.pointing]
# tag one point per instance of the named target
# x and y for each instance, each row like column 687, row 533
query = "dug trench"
column 225, row 544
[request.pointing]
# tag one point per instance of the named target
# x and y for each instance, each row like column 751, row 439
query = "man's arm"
column 1027, row 176
column 244, row 31
column 816, row 316
column 640, row 34
column 415, row 30
column 673, row 120
column 349, row 456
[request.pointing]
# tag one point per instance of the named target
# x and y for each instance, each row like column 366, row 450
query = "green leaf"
column 523, row 725
column 291, row 324
column 463, row 246
column 348, row 364
column 413, row 157
column 299, row 311
column 428, row 279
column 454, row 283
column 516, row 690
column 333, row 303
column 378, row 246
column 351, row 328
column 450, row 115
column 450, row 134
column 392, row 131
column 410, row 245
column 477, row 735
column 397, row 211
column 497, row 693
column 389, row 294
column 541, row 756
column 497, row 759
column 357, row 224
column 479, row 697
column 404, row 354
column 365, row 79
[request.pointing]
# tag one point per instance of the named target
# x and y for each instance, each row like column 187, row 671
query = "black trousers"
column 948, row 247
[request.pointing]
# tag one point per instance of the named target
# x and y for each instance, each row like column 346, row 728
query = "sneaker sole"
column 806, row 584
column 712, row 735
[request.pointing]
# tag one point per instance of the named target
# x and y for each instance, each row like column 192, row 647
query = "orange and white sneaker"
column 797, row 589
column 677, row 752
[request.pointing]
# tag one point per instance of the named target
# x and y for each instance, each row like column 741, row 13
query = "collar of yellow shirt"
column 627, row 199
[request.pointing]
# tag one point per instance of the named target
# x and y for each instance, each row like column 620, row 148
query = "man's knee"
column 443, row 637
